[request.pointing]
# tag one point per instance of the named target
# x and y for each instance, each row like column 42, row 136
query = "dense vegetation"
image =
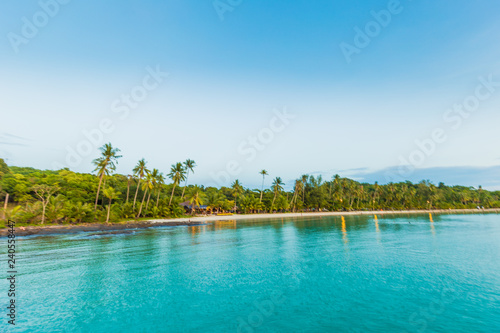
column 36, row 196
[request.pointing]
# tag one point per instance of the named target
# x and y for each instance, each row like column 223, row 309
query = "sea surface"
column 358, row 274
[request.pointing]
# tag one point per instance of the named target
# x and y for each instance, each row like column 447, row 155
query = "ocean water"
column 361, row 274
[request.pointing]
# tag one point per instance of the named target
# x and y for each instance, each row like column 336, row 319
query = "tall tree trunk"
column 98, row 190
column 5, row 206
column 128, row 189
column 304, row 198
column 149, row 197
column 158, row 197
column 172, row 196
column 272, row 205
column 142, row 202
column 262, row 190
column 185, row 185
column 293, row 199
column 44, row 206
column 109, row 211
column 137, row 191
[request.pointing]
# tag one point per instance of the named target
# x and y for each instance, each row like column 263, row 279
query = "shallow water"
column 393, row 274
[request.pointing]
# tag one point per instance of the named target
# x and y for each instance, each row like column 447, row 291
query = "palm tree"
column 153, row 177
column 111, row 194
column 196, row 198
column 297, row 190
column 277, row 188
column 189, row 165
column 237, row 189
column 177, row 174
column 160, row 181
column 140, row 171
column 264, row 174
column 215, row 201
column 147, row 186
column 79, row 210
column 105, row 165
column 375, row 195
column 129, row 179
column 304, row 183
column 337, row 188
column 55, row 208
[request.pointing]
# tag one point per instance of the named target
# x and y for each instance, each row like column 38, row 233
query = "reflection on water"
column 376, row 224
column 203, row 278
column 344, row 233
column 433, row 230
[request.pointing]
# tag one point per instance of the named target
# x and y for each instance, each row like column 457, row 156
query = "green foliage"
column 69, row 197
column 4, row 169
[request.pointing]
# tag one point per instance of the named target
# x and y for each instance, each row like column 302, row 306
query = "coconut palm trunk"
column 128, row 188
column 262, row 190
column 158, row 197
column 149, row 197
column 293, row 201
column 109, row 211
column 185, row 185
column 274, row 199
column 172, row 195
column 98, row 190
column 137, row 191
column 142, row 202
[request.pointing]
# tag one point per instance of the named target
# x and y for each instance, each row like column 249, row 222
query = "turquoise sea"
column 362, row 274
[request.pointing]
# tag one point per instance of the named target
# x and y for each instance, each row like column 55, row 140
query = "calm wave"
column 390, row 274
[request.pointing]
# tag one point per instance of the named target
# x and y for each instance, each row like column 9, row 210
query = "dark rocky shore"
column 110, row 228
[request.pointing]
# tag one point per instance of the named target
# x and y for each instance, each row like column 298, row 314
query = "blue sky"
column 227, row 80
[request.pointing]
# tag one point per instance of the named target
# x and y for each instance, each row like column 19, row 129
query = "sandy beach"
column 212, row 218
column 119, row 228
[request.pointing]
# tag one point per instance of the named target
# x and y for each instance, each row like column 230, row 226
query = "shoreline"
column 119, row 228
column 107, row 228
column 204, row 219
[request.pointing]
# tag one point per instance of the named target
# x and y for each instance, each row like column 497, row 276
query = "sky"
column 372, row 90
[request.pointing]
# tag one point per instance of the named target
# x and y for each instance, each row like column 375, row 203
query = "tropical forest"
column 34, row 196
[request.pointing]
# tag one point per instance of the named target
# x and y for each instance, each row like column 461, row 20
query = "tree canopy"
column 65, row 196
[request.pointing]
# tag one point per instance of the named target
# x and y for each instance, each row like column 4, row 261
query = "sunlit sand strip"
column 305, row 215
